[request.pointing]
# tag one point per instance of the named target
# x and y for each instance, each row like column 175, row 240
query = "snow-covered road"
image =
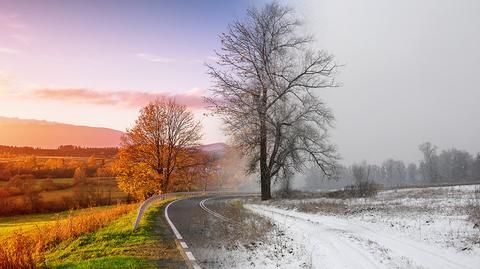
column 338, row 242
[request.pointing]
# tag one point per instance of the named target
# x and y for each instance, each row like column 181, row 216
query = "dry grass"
column 473, row 210
column 27, row 250
column 325, row 207
column 250, row 241
column 246, row 227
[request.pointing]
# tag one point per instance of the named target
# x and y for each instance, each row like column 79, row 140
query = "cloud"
column 155, row 58
column 5, row 79
column 130, row 99
column 14, row 30
column 23, row 39
column 159, row 59
column 9, row 50
column 12, row 21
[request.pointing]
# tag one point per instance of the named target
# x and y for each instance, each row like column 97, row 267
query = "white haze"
column 411, row 74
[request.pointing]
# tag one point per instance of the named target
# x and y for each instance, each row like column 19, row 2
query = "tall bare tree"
column 429, row 164
column 264, row 81
column 162, row 133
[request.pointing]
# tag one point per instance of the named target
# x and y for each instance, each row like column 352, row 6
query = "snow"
column 281, row 251
column 286, row 253
column 408, row 228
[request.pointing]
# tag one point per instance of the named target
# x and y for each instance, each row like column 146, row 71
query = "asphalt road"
column 197, row 226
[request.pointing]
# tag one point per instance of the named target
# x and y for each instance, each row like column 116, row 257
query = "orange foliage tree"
column 197, row 171
column 151, row 151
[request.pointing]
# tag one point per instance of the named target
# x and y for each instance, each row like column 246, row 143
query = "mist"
column 410, row 75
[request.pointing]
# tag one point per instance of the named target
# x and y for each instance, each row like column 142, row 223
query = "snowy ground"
column 408, row 228
column 250, row 241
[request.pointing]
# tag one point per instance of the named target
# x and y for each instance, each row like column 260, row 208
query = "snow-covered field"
column 407, row 228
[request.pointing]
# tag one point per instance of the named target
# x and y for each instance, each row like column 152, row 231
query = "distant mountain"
column 215, row 147
column 50, row 135
column 46, row 134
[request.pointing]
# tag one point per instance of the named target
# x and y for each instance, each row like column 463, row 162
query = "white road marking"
column 208, row 210
column 190, row 255
column 174, row 229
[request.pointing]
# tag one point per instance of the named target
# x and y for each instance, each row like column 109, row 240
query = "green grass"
column 116, row 246
column 109, row 262
column 27, row 223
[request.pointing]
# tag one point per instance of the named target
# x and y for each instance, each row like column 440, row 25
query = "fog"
column 410, row 75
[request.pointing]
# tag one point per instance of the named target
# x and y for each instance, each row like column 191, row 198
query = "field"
column 98, row 191
column 95, row 241
column 27, row 249
column 39, row 181
column 42, row 184
column 25, row 223
column 407, row 228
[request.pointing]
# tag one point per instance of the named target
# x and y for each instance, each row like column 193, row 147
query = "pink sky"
column 95, row 63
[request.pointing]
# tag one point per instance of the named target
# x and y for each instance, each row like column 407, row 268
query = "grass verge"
column 27, row 223
column 116, row 246
column 27, row 249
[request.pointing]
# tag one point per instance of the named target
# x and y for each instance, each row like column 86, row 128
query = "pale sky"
column 411, row 67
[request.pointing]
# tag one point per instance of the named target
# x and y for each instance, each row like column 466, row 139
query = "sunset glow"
column 272, row 134
column 99, row 62
column 95, row 63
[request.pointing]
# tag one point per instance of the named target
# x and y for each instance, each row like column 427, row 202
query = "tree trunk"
column 264, row 174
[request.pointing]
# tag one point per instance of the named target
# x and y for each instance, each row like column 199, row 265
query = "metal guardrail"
column 146, row 204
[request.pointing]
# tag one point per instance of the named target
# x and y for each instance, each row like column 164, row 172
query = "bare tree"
column 412, row 172
column 361, row 172
column 162, row 133
column 264, row 78
column 454, row 165
column 476, row 168
column 429, row 164
column 394, row 171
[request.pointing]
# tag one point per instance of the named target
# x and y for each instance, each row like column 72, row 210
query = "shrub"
column 359, row 189
column 362, row 189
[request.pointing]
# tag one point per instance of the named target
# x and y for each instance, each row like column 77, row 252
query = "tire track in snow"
column 330, row 235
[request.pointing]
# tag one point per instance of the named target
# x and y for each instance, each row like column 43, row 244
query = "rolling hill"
column 46, row 134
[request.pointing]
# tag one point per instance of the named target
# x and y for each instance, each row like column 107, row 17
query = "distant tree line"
column 448, row 166
column 65, row 150
column 29, row 181
column 53, row 167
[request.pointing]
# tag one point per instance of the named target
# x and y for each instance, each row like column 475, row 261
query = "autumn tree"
column 30, row 190
column 92, row 161
column 264, row 83
column 79, row 175
column 198, row 171
column 151, row 151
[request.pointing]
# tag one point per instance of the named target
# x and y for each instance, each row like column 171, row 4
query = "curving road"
column 332, row 241
column 192, row 222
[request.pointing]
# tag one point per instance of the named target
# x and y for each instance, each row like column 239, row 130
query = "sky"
column 410, row 68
